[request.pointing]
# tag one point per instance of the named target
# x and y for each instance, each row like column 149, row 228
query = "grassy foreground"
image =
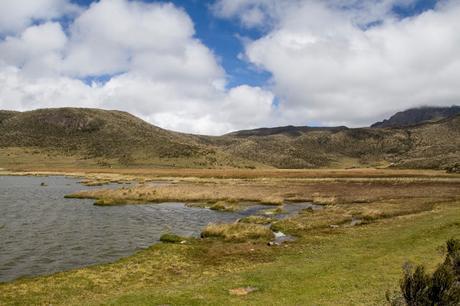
column 346, row 266
column 403, row 215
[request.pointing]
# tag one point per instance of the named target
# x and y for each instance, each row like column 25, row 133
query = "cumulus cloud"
column 331, row 67
column 128, row 55
column 16, row 15
column 263, row 13
column 332, row 62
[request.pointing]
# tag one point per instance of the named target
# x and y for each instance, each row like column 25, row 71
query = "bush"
column 418, row 288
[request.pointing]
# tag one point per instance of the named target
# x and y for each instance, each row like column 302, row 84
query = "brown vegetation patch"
column 237, row 232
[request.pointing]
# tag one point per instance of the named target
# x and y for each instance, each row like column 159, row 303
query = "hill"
column 429, row 145
column 284, row 130
column 71, row 137
column 97, row 137
column 418, row 115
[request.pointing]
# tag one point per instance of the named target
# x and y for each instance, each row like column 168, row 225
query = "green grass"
column 171, row 238
column 257, row 220
column 346, row 266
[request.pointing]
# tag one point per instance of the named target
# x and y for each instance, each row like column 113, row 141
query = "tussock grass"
column 171, row 238
column 225, row 206
column 342, row 215
column 273, row 191
column 237, row 232
column 257, row 220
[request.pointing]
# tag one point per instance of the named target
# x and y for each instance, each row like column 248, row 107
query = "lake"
column 41, row 232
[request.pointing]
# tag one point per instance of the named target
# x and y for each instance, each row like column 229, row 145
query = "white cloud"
column 16, row 15
column 251, row 13
column 113, row 36
column 37, row 50
column 262, row 13
column 327, row 66
column 330, row 69
column 158, row 70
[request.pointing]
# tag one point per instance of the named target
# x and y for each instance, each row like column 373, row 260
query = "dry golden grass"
column 275, row 191
column 225, row 206
column 342, row 215
column 237, row 232
column 238, row 173
column 257, row 220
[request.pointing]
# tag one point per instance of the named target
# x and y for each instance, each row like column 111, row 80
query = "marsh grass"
column 272, row 191
column 171, row 238
column 225, row 206
column 342, row 215
column 257, row 220
column 404, row 218
column 237, row 232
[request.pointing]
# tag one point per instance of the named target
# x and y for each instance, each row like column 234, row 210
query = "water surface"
column 41, row 232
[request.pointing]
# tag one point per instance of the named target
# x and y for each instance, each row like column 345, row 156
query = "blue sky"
column 222, row 36
column 185, row 67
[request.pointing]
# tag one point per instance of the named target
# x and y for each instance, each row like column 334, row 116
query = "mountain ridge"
column 414, row 116
column 118, row 139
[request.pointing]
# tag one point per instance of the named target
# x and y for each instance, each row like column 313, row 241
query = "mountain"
column 73, row 138
column 6, row 114
column 418, row 115
column 430, row 145
column 103, row 137
column 284, row 130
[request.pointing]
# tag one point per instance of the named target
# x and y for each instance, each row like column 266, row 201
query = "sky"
column 215, row 66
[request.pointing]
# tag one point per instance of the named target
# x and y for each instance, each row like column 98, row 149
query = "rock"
column 279, row 234
column 242, row 291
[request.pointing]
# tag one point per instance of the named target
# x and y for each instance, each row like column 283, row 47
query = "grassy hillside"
column 70, row 137
column 430, row 145
column 100, row 138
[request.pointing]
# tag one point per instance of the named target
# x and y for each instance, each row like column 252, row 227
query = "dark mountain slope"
column 418, row 115
column 285, row 130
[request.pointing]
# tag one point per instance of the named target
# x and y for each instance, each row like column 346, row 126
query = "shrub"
column 418, row 288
